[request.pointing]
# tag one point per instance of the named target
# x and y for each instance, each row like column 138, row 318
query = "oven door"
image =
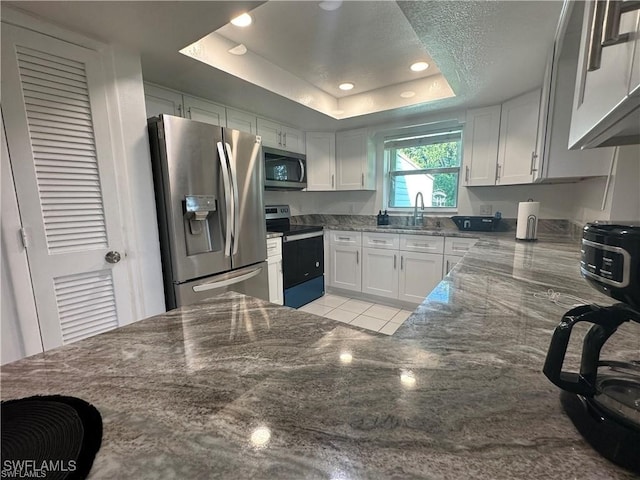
column 302, row 258
column 284, row 170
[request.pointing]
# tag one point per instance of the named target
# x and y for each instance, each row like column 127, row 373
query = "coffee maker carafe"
column 603, row 398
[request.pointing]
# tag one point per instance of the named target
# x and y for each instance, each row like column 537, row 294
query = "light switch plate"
column 486, row 210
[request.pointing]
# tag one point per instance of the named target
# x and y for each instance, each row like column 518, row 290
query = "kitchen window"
column 428, row 163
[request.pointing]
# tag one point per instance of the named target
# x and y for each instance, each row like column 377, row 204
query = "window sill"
column 409, row 211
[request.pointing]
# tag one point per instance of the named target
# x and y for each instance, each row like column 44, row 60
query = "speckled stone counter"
column 274, row 234
column 239, row 388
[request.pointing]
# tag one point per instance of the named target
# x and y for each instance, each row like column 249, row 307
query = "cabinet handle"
column 448, row 267
column 533, row 162
column 498, row 172
column 401, row 261
column 363, row 179
column 394, row 261
column 615, row 9
column 346, row 239
column 280, row 138
column 179, row 110
column 357, row 257
column 189, row 112
column 284, row 139
column 595, row 37
column 332, row 179
column 466, row 174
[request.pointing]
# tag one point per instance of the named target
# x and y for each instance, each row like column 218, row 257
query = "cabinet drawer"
column 458, row 245
column 422, row 243
column 341, row 237
column 274, row 246
column 388, row 241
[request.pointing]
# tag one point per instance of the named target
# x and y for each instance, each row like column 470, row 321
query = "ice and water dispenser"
column 202, row 224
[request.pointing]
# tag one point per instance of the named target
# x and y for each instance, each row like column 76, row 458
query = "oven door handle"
column 227, row 198
column 301, row 236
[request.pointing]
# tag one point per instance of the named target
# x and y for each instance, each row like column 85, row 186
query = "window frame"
column 453, row 132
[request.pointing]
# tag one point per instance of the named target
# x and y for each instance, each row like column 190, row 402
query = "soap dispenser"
column 379, row 218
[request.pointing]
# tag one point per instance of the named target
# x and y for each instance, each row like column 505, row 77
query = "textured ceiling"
column 368, row 43
column 489, row 51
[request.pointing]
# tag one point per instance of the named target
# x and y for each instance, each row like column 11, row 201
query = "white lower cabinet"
column 380, row 272
column 274, row 265
column 400, row 266
column 419, row 274
column 346, row 272
column 449, row 262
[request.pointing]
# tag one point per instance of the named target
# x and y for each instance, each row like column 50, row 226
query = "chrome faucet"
column 418, row 216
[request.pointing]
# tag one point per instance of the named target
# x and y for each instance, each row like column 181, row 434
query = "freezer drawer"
column 252, row 280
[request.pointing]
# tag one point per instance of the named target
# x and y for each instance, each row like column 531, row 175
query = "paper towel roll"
column 527, row 226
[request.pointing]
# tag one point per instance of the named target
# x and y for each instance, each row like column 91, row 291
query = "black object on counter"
column 602, row 398
column 382, row 218
column 59, row 435
column 476, row 224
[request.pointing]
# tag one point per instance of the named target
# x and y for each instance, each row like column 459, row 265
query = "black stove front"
column 302, row 257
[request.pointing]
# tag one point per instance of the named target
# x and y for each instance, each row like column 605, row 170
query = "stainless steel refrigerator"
column 209, row 198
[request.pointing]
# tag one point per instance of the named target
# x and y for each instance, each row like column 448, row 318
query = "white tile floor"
column 371, row 316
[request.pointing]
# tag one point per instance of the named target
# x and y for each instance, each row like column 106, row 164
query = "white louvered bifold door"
column 55, row 112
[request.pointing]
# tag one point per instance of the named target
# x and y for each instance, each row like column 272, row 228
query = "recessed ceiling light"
column 346, row 86
column 239, row 49
column 419, row 66
column 408, row 94
column 330, row 5
column 243, row 20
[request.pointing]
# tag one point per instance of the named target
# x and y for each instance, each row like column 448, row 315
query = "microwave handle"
column 301, row 169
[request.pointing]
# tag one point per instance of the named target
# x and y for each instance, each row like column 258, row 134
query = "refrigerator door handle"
column 227, row 198
column 236, row 207
column 203, row 287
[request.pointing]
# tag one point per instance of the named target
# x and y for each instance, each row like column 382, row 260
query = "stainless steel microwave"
column 284, row 170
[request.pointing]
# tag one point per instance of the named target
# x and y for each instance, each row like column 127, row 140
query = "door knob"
column 113, row 257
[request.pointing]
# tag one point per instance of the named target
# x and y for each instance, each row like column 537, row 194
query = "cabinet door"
column 292, row 139
column 159, row 100
column 351, row 157
column 345, row 268
column 449, row 262
column 480, row 146
column 419, row 274
column 380, row 272
column 276, row 291
column 245, row 122
column 599, row 91
column 518, row 139
column 204, row 111
column 270, row 133
column 321, row 161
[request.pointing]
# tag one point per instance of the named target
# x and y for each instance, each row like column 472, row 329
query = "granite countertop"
column 241, row 388
column 274, row 234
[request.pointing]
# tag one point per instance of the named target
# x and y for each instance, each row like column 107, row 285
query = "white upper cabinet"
column 321, row 161
column 606, row 105
column 480, row 147
column 160, row 100
column 556, row 162
column 500, row 142
column 518, row 137
column 243, row 121
column 204, row 111
column 355, row 162
column 280, row 136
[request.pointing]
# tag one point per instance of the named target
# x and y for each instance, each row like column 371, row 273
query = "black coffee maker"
column 603, row 399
